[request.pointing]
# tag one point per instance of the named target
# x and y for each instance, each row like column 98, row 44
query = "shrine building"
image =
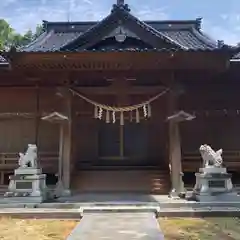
column 120, row 105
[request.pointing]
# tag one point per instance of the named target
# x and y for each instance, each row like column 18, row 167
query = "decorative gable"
column 120, row 38
column 121, row 24
column 120, row 33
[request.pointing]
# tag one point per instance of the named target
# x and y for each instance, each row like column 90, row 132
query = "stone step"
column 200, row 212
column 21, row 211
column 181, row 204
column 118, row 209
column 149, row 181
column 25, row 213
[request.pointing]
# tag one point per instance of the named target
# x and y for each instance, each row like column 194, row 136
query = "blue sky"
column 221, row 18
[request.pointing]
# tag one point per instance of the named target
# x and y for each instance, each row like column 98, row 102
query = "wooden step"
column 144, row 181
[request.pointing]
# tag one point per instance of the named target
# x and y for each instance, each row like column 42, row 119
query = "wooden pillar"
column 120, row 86
column 60, row 158
column 37, row 115
column 64, row 169
column 175, row 158
column 2, row 178
column 65, row 143
column 66, row 146
column 64, row 161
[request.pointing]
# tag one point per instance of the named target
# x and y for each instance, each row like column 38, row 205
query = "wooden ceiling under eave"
column 120, row 61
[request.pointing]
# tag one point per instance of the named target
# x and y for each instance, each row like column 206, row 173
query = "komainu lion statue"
column 29, row 159
column 210, row 157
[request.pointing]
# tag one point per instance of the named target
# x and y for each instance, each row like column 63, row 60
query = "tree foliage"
column 10, row 38
column 5, row 34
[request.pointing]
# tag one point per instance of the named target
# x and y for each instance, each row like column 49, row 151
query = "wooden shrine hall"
column 120, row 105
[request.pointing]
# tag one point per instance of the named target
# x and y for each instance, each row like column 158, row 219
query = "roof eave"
column 153, row 50
column 235, row 60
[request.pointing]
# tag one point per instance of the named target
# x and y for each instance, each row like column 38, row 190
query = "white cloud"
column 64, row 10
column 229, row 31
column 5, row 3
column 27, row 17
column 147, row 13
column 229, row 36
column 88, row 2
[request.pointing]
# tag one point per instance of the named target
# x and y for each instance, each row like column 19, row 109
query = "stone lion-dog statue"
column 29, row 159
column 210, row 157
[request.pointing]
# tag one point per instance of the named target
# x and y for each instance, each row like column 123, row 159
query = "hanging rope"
column 101, row 108
column 119, row 109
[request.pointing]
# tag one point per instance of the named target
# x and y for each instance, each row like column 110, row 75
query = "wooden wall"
column 212, row 126
column 17, row 132
column 217, row 118
column 87, row 128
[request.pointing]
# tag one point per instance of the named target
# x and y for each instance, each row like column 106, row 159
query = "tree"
column 6, row 34
column 26, row 38
column 16, row 40
column 38, row 31
column 10, row 38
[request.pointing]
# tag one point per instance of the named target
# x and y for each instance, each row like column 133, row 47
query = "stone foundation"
column 214, row 184
column 27, row 185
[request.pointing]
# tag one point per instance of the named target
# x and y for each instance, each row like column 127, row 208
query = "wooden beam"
column 89, row 61
column 131, row 91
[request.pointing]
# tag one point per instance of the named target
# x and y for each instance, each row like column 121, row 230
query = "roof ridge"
column 160, row 34
column 147, row 21
column 204, row 38
column 88, row 25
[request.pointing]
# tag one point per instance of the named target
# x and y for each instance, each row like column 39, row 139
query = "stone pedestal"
column 61, row 191
column 214, row 184
column 179, row 191
column 27, row 185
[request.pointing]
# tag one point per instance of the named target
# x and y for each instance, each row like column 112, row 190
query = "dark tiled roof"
column 51, row 41
column 237, row 56
column 191, row 39
column 185, row 35
column 3, row 61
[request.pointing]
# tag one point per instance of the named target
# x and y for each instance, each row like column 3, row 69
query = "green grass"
column 200, row 228
column 17, row 229
column 173, row 229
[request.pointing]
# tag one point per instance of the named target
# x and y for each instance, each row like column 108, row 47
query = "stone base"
column 173, row 194
column 177, row 195
column 211, row 169
column 27, row 171
column 217, row 197
column 214, row 184
column 28, row 199
column 61, row 191
column 27, row 184
column 66, row 193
